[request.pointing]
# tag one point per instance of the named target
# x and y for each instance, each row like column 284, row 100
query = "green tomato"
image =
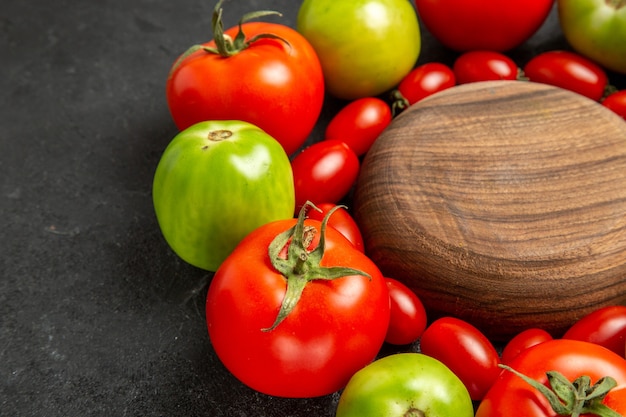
column 596, row 29
column 365, row 47
column 405, row 385
column 216, row 182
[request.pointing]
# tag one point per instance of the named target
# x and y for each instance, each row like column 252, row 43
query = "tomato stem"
column 300, row 266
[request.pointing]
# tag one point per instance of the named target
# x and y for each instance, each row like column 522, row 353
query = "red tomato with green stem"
column 465, row 25
column 324, row 172
column 296, row 310
column 576, row 372
column 422, row 81
column 474, row 66
column 465, row 350
column 605, row 326
column 341, row 220
column 616, row 102
column 359, row 123
column 407, row 320
column 258, row 72
column 523, row 341
column 568, row 70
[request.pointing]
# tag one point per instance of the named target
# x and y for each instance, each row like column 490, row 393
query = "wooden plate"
column 502, row 203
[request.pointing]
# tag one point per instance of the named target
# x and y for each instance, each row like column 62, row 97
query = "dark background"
column 97, row 316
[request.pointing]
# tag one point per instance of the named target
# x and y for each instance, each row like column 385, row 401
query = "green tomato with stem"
column 215, row 183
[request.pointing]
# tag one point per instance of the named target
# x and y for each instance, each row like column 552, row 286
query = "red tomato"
column 523, row 341
column 341, row 221
column 474, row 66
column 510, row 395
column 360, row 123
column 569, row 71
column 330, row 328
column 605, row 326
column 465, row 350
column 616, row 102
column 324, row 172
column 425, row 80
column 282, row 94
column 407, row 320
column 497, row 25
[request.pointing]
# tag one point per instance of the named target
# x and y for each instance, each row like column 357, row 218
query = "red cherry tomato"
column 360, row 123
column 569, row 71
column 465, row 350
column 340, row 220
column 425, row 80
column 523, row 341
column 616, row 102
column 408, row 316
column 605, row 326
column 324, row 172
column 474, row 66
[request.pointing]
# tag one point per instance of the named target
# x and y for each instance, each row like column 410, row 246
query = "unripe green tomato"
column 365, row 47
column 405, row 385
column 216, row 182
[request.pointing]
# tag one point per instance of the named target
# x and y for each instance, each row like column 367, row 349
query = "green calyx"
column 300, row 266
column 573, row 398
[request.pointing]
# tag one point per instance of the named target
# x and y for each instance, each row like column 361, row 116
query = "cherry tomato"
column 292, row 315
column 465, row 350
column 341, row 220
column 510, row 395
column 324, row 172
column 605, row 326
column 569, row 71
column 407, row 319
column 616, row 102
column 496, row 25
column 359, row 123
column 283, row 90
column 425, row 80
column 523, row 341
column 476, row 66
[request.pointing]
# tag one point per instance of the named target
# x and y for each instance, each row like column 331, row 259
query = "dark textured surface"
column 97, row 316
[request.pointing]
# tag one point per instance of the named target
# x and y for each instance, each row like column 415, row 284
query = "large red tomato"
column 496, row 25
column 511, row 395
column 271, row 78
column 294, row 318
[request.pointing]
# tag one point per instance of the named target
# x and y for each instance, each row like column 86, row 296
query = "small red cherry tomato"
column 616, row 102
column 523, row 341
column 568, row 70
column 408, row 316
column 474, row 66
column 340, row 220
column 465, row 350
column 605, row 326
column 360, row 123
column 425, row 80
column 324, row 172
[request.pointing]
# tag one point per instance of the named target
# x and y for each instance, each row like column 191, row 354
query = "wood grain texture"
column 502, row 203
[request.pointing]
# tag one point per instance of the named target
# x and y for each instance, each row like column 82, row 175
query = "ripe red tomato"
column 616, row 102
column 360, row 123
column 341, row 221
column 425, row 80
column 510, row 395
column 523, row 341
column 283, row 82
column 465, row 350
column 497, row 25
column 407, row 320
column 292, row 315
column 569, row 71
column 324, row 172
column 474, row 66
column 605, row 326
